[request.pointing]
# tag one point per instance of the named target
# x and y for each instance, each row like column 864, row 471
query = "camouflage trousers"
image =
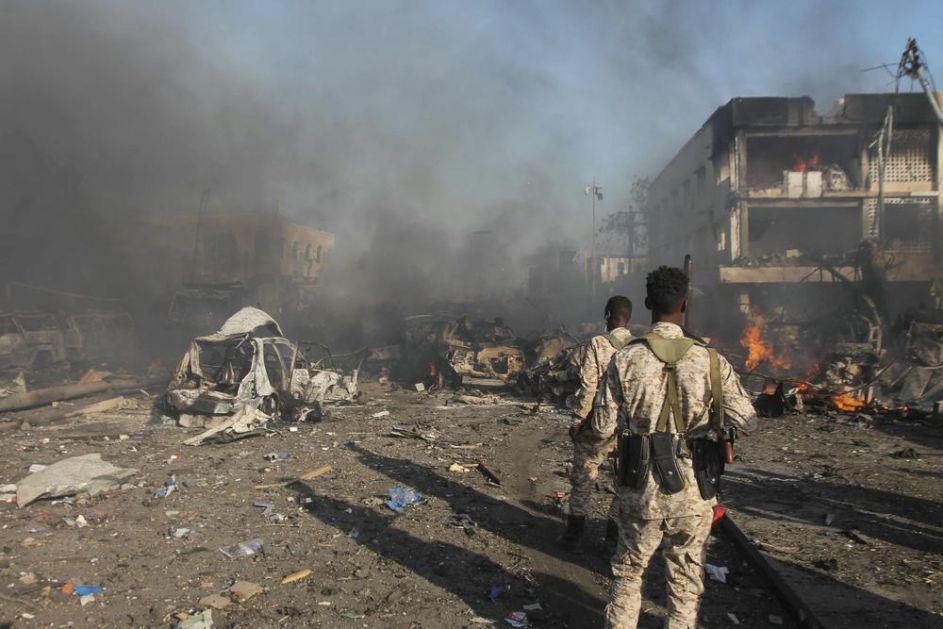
column 685, row 542
column 588, row 455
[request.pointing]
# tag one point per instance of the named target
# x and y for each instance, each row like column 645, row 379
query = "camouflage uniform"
column 589, row 452
column 632, row 398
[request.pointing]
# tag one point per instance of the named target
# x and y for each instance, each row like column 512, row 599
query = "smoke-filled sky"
column 454, row 116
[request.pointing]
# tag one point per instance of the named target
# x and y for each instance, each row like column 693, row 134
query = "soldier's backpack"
column 657, row 452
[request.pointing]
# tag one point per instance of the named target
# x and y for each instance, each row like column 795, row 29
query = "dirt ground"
column 848, row 509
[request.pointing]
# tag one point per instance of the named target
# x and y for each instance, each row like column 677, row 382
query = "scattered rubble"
column 80, row 474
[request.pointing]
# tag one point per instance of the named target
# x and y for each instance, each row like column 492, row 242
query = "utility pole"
column 594, row 191
column 914, row 65
column 882, row 145
column 204, row 200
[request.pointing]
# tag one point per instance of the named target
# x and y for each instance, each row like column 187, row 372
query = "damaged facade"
column 770, row 195
column 215, row 263
column 818, row 248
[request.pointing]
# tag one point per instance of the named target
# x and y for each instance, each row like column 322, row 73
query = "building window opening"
column 832, row 160
column 774, row 231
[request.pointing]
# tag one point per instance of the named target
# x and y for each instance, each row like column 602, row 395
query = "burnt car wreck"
column 463, row 351
column 246, row 374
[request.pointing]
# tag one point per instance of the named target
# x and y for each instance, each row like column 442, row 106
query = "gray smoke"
column 422, row 133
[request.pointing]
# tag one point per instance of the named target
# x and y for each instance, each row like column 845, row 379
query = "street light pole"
column 593, row 267
column 595, row 191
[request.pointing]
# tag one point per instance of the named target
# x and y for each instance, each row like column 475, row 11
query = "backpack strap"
column 672, row 405
column 616, row 342
column 717, row 419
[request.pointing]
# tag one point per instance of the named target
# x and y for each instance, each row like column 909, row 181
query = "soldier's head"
column 618, row 312
column 667, row 294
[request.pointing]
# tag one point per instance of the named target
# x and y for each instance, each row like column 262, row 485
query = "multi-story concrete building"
column 274, row 261
column 770, row 195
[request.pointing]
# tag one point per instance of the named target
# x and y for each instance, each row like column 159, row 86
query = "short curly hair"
column 620, row 307
column 667, row 287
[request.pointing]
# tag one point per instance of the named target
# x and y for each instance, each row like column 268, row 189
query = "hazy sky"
column 455, row 107
column 462, row 115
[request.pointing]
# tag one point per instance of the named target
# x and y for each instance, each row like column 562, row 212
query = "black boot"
column 575, row 525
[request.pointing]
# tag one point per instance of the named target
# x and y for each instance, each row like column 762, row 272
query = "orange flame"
column 847, row 403
column 802, row 164
column 759, row 350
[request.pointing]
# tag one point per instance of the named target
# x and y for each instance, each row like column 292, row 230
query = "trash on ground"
column 458, row 468
column 733, row 618
column 310, row 475
column 170, row 485
column 489, row 473
column 216, row 601
column 277, row 456
column 242, row 591
column 517, row 619
column 380, row 414
column 296, row 576
column 243, row 549
column 179, row 533
column 717, row 573
column 402, row 497
column 203, row 620
column 719, row 513
column 79, row 474
column 497, row 589
column 464, row 522
column 398, row 431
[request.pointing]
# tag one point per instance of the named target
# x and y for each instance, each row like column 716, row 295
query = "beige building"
column 275, row 260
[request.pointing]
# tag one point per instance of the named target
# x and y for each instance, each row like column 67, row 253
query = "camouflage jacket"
column 632, row 398
column 596, row 359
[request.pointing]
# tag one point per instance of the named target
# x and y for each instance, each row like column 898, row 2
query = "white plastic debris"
column 717, row 573
column 380, row 414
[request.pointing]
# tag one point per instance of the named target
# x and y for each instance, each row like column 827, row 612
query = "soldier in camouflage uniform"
column 589, row 452
column 631, row 403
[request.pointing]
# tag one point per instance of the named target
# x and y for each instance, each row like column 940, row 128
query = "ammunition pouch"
column 665, row 467
column 708, row 459
column 635, row 460
column 654, row 453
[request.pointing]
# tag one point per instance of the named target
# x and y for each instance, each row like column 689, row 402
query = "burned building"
column 220, row 261
column 773, row 199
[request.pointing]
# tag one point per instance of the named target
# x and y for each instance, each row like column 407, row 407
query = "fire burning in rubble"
column 758, row 349
column 847, row 403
